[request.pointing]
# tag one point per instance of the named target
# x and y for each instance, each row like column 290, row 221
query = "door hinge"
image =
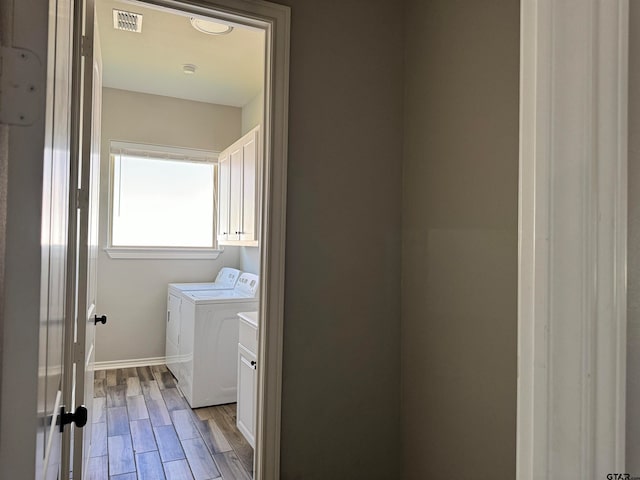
column 22, row 86
column 86, row 46
column 78, row 353
column 82, row 198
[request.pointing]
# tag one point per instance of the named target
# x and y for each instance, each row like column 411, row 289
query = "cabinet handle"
column 253, row 364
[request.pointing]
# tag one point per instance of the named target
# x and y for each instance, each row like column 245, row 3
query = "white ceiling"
column 230, row 68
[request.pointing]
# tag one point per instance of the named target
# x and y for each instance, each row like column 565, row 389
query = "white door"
column 246, row 413
column 55, row 215
column 83, row 223
column 88, row 260
column 249, row 184
column 224, row 178
column 235, row 192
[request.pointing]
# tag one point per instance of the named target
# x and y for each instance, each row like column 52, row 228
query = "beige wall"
column 633, row 265
column 252, row 113
column 250, row 260
column 133, row 292
column 459, row 257
column 341, row 388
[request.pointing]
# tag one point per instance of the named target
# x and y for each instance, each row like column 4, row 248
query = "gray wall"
column 459, row 256
column 341, row 388
column 22, row 163
column 132, row 292
column 633, row 262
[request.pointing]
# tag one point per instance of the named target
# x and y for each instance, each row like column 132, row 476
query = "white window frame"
column 152, row 252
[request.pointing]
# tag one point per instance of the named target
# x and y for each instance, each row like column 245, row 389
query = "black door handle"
column 102, row 319
column 79, row 417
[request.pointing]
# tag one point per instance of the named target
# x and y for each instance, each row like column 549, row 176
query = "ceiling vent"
column 128, row 21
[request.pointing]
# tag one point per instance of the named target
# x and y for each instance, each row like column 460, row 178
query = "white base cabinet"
column 247, row 377
column 246, row 412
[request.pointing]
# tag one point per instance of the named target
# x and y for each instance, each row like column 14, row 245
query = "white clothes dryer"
column 225, row 280
column 207, row 360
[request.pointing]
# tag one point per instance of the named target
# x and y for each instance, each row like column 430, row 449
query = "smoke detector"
column 189, row 68
column 128, row 21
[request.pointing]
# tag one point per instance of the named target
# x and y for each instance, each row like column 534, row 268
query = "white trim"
column 572, row 245
column 163, row 253
column 134, row 362
column 163, row 152
column 276, row 20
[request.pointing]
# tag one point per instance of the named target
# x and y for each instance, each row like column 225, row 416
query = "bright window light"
column 162, row 203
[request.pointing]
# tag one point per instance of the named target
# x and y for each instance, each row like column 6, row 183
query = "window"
column 162, row 201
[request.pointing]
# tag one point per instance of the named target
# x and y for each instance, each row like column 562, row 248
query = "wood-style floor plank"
column 99, row 410
column 213, row 437
column 99, row 387
column 151, row 432
column 163, row 377
column 168, row 443
column 150, row 390
column 142, row 436
column 200, row 460
column 133, row 387
column 124, row 476
column 98, row 468
column 98, row 439
column 112, row 378
column 230, row 466
column 173, row 399
column 202, row 413
column 116, row 396
column 137, row 408
column 145, row 374
column 149, row 466
column 117, row 421
column 121, row 455
column 178, row 470
column 183, row 424
column 233, row 435
column 158, row 413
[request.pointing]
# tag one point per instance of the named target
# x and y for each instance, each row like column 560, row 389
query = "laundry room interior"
column 178, row 267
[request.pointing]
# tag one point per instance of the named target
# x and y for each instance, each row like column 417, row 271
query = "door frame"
column 572, row 239
column 275, row 20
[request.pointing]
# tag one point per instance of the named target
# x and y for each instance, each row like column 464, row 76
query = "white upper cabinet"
column 238, row 173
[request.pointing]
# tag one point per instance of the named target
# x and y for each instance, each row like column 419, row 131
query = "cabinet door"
column 224, row 177
column 246, row 412
column 235, row 193
column 249, row 187
column 173, row 332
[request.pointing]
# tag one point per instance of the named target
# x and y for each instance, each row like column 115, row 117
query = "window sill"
column 150, row 253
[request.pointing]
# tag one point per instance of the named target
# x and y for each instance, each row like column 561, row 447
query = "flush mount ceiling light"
column 189, row 68
column 210, row 27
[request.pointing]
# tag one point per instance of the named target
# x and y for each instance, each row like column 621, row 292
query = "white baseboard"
column 134, row 362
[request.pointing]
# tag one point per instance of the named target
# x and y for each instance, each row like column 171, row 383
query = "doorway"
column 179, row 90
column 271, row 22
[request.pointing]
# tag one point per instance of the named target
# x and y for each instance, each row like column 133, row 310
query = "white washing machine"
column 207, row 360
column 225, row 280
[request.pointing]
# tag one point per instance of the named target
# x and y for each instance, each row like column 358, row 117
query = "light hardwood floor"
column 144, row 429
